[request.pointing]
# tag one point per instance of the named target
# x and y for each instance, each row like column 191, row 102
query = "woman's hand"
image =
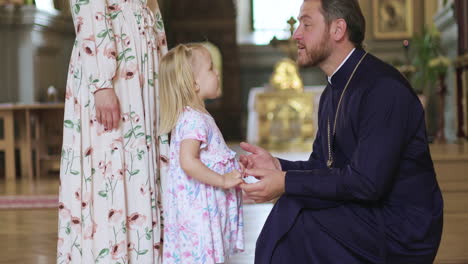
column 107, row 108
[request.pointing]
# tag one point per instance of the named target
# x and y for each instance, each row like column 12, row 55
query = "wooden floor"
column 29, row 236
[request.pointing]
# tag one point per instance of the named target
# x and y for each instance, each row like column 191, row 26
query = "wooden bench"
column 36, row 131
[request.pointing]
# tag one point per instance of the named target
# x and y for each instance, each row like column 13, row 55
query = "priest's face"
column 312, row 35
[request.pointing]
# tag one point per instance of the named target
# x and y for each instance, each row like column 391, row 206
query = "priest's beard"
column 315, row 55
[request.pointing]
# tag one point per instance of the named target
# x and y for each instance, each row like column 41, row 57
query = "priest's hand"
column 259, row 159
column 270, row 186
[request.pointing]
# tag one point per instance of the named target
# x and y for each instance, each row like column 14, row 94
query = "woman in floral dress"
column 109, row 188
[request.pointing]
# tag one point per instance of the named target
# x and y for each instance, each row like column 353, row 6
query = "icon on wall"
column 393, row 19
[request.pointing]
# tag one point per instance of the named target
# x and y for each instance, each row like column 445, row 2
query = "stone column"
column 35, row 49
column 445, row 22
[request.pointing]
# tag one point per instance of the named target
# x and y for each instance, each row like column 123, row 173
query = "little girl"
column 202, row 206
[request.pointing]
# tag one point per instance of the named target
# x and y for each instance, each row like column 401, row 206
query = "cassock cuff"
column 286, row 164
column 293, row 182
column 317, row 183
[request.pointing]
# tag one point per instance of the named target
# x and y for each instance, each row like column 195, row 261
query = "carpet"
column 29, row 202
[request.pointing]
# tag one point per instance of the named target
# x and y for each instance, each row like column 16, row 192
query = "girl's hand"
column 232, row 179
column 242, row 168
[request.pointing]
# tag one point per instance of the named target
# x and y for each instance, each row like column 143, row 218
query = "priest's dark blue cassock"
column 380, row 202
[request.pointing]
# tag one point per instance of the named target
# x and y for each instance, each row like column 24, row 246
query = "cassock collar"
column 340, row 77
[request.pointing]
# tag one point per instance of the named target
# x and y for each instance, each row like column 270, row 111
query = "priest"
column 368, row 192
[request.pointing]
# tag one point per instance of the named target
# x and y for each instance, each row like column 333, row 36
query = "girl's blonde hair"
column 177, row 85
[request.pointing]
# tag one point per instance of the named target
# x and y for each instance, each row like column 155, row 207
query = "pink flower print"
column 130, row 246
column 114, row 216
column 79, row 23
column 118, row 250
column 126, row 41
column 180, row 187
column 90, row 231
column 76, row 224
column 129, row 71
column 86, row 199
column 63, row 211
column 99, row 16
column 136, row 220
column 115, row 145
column 89, row 47
column 78, row 194
column 164, row 161
column 114, row 8
column 121, row 173
column 71, row 68
column 125, row 117
column 59, row 242
column 187, row 254
column 138, row 143
column 106, row 168
column 101, row 165
column 143, row 189
column 68, row 93
column 230, row 197
column 206, row 215
column 88, row 151
column 181, row 228
column 77, row 107
column 136, row 118
column 210, row 252
column 110, row 51
column 167, row 255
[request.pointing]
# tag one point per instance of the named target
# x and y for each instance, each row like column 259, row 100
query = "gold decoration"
column 286, row 115
column 286, row 120
column 286, row 76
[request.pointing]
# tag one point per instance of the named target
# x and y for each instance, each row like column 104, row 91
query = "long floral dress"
column 109, row 209
column 203, row 224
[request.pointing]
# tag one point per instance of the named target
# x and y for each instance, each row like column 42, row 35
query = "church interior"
column 266, row 99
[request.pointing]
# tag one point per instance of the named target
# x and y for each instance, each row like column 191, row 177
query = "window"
column 269, row 18
column 271, row 15
column 46, row 5
column 258, row 21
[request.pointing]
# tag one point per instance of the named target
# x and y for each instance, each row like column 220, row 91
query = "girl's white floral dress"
column 203, row 224
column 109, row 209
